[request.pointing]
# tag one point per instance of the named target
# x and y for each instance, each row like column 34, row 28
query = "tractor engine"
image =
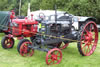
column 58, row 29
column 24, row 27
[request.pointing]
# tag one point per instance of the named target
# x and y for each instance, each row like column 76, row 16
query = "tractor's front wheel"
column 7, row 42
column 23, row 48
column 54, row 56
column 88, row 38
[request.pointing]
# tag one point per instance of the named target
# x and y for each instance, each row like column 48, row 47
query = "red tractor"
column 14, row 27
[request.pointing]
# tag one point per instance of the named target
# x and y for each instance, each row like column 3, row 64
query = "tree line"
column 76, row 7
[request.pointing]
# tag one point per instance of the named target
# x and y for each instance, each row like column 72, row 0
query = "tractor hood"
column 27, row 21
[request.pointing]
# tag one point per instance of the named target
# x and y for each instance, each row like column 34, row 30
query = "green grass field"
column 71, row 58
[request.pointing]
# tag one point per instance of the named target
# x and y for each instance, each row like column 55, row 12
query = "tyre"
column 7, row 42
column 87, row 38
column 23, row 48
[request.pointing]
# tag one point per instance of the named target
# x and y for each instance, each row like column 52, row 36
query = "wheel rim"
column 25, row 50
column 8, row 42
column 54, row 56
column 62, row 45
column 89, row 38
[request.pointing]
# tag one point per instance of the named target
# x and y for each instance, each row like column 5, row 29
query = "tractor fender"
column 79, row 20
column 84, row 19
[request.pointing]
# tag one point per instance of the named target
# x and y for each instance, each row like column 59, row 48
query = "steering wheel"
column 41, row 15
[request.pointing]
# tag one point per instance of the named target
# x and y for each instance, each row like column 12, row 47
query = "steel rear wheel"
column 88, row 39
column 54, row 56
column 7, row 42
column 62, row 45
column 23, row 48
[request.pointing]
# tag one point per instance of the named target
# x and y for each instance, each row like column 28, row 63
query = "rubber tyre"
column 3, row 43
column 20, row 43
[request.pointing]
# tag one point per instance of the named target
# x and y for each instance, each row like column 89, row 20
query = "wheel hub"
column 54, row 57
column 89, row 37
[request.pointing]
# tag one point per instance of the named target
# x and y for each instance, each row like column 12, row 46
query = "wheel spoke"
column 85, row 45
column 57, row 53
column 89, row 48
column 83, row 37
column 49, row 57
column 57, row 60
column 53, row 52
column 86, row 31
column 84, row 50
column 91, row 27
column 50, row 62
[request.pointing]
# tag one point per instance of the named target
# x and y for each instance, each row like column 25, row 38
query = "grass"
column 71, row 58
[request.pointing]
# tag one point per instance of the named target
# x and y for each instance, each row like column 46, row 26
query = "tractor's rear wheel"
column 87, row 38
column 23, row 48
column 7, row 42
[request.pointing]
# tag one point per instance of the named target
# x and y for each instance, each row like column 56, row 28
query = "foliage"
column 76, row 7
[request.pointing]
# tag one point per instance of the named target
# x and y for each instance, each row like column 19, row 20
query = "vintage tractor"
column 14, row 27
column 55, row 35
column 52, row 36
